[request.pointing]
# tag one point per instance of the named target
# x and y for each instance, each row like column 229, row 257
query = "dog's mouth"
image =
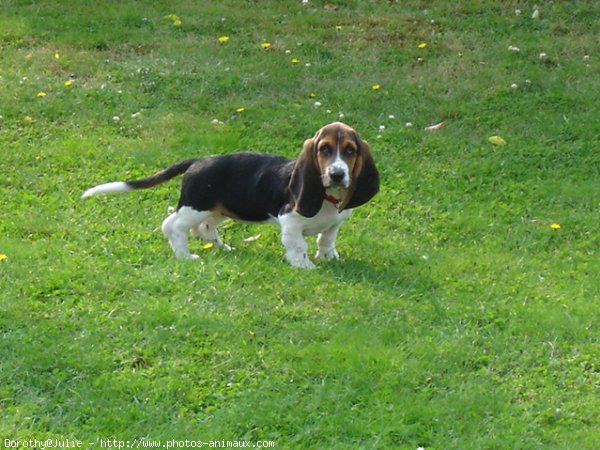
column 339, row 185
column 335, row 180
column 336, row 190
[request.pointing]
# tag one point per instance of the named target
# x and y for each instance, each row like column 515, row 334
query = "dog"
column 313, row 194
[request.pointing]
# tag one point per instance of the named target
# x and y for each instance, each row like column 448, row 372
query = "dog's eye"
column 325, row 150
column 349, row 151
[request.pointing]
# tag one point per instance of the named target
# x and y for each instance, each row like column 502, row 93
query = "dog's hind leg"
column 207, row 231
column 177, row 226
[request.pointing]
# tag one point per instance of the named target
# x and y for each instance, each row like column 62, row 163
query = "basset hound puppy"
column 312, row 195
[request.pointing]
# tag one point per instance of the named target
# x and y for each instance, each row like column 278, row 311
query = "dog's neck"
column 335, row 195
column 332, row 199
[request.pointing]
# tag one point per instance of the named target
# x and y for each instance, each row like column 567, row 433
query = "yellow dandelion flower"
column 3, row 257
column 41, row 94
column 422, row 45
column 68, row 83
column 555, row 226
column 312, row 95
column 376, row 87
column 174, row 18
column 338, row 27
column 56, row 55
column 223, row 39
column 208, row 246
column 265, row 45
column 240, row 110
column 295, row 60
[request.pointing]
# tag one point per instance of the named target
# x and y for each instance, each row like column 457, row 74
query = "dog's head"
column 336, row 161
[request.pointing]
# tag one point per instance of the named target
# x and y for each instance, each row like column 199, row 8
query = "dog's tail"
column 145, row 183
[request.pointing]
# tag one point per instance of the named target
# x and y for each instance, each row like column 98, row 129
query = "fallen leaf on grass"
column 436, row 127
column 253, row 238
column 497, row 140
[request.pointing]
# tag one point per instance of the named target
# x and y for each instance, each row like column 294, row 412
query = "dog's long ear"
column 365, row 178
column 305, row 185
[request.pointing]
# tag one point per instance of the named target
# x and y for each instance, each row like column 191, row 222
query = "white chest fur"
column 327, row 217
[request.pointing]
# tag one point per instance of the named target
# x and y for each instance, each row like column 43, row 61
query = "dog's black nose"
column 336, row 175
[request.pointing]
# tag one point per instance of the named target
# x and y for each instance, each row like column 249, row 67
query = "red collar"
column 332, row 199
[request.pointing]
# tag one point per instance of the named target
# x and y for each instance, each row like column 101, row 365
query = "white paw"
column 182, row 255
column 301, row 262
column 328, row 254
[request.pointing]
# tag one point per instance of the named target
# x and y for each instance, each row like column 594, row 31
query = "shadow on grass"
column 401, row 273
column 389, row 272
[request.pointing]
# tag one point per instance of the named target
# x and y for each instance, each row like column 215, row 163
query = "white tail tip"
column 106, row 188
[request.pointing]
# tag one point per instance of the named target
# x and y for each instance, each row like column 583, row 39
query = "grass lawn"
column 464, row 313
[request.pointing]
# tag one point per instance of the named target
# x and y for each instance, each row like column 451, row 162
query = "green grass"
column 457, row 317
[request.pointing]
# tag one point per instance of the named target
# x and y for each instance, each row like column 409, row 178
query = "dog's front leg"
column 326, row 243
column 295, row 246
column 296, row 251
